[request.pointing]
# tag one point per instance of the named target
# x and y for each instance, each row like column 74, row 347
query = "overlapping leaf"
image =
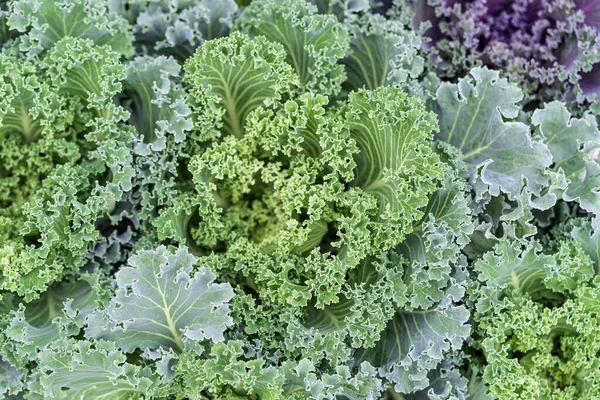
column 46, row 22
column 314, row 43
column 158, row 303
column 575, row 147
column 477, row 116
column 232, row 76
column 395, row 162
column 80, row 369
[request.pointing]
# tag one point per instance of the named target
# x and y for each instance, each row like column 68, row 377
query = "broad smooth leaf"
column 158, row 303
column 477, row 116
column 415, row 342
column 80, row 371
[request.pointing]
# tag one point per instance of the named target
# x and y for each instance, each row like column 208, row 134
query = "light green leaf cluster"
column 231, row 77
column 225, row 367
column 538, row 320
column 299, row 200
column 66, row 130
column 313, row 43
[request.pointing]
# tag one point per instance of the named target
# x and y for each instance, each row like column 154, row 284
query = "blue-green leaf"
column 158, row 303
column 46, row 22
column 415, row 342
column 477, row 115
column 575, row 147
column 81, row 370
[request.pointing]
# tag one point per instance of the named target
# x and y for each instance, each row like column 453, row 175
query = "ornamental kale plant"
column 293, row 199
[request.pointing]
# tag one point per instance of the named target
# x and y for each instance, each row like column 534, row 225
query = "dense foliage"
column 284, row 199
